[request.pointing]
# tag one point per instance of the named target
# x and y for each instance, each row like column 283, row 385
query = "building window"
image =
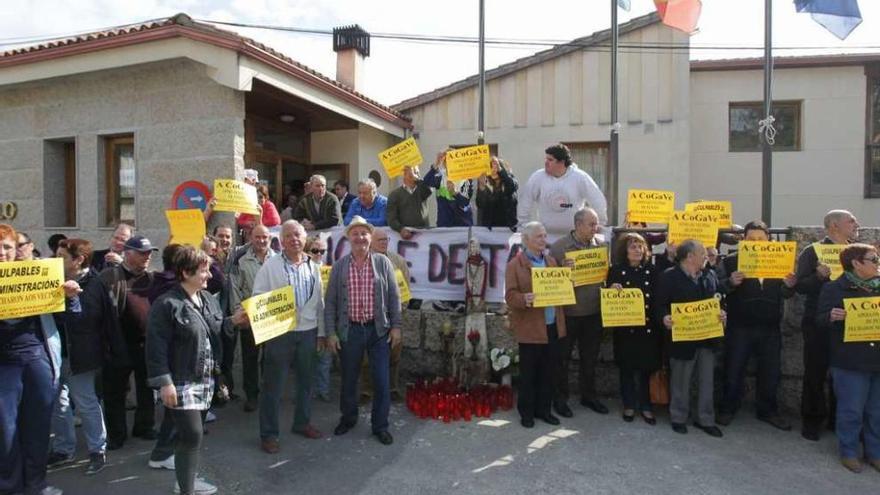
column 120, row 180
column 872, row 149
column 743, row 131
column 59, row 183
column 593, row 159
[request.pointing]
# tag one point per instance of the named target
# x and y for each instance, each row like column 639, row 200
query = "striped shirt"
column 299, row 276
column 360, row 290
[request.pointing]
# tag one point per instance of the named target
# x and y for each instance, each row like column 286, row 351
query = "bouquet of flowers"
column 502, row 359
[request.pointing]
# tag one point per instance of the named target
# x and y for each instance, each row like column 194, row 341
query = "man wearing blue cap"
column 127, row 284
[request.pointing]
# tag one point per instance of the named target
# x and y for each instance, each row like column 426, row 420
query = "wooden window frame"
column 798, row 106
column 111, row 176
column 70, row 186
column 610, row 191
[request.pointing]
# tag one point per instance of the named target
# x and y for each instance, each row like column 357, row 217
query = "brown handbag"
column 659, row 386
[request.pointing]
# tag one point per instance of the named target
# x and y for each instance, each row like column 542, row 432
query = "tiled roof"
column 519, row 64
column 183, row 25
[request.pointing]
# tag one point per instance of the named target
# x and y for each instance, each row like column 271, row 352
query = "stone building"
column 103, row 127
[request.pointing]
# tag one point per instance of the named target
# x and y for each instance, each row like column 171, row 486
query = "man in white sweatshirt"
column 553, row 195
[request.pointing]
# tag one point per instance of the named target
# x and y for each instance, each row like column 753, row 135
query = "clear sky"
column 398, row 70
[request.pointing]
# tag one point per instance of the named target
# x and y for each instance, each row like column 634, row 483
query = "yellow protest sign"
column 468, row 163
column 402, row 286
column 325, row 276
column 403, row 154
column 699, row 320
column 766, row 259
column 590, row 265
column 187, row 226
column 29, row 288
column 829, row 254
column 552, row 287
column 622, row 308
column 271, row 314
column 862, row 323
column 702, row 227
column 724, row 210
column 649, row 206
column 234, row 195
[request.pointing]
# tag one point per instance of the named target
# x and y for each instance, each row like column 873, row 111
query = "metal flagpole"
column 766, row 133
column 481, row 128
column 615, row 126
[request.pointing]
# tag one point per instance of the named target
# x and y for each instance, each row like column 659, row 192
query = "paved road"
column 586, row 454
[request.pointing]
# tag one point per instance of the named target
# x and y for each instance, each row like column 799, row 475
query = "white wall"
column 568, row 99
column 827, row 173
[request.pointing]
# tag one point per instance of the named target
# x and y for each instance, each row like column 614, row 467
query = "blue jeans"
column 858, row 410
column 765, row 343
column 295, row 349
column 361, row 339
column 80, row 388
column 27, row 393
column 321, row 381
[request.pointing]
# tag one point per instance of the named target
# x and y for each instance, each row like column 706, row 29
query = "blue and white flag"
column 838, row 16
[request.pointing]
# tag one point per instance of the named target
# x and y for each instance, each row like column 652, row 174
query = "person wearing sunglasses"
column 855, row 364
column 316, row 249
column 24, row 248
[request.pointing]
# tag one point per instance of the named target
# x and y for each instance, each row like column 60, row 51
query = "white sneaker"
column 166, row 464
column 200, row 487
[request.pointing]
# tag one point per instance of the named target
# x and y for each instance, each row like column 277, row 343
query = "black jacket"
column 676, row 286
column 497, row 207
column 92, row 336
column 176, row 337
column 752, row 303
column 859, row 356
column 808, row 283
column 637, row 348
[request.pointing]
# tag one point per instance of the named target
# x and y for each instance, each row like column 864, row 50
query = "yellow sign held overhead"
column 622, row 308
column 649, row 206
column 402, row 286
column 724, row 210
column 468, row 163
column 187, row 226
column 29, row 288
column 829, row 254
column 404, row 154
column 552, row 287
column 862, row 323
column 271, row 314
column 766, row 259
column 234, row 195
column 702, row 227
column 699, row 320
column 590, row 265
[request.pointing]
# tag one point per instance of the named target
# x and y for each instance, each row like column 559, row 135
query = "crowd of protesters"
column 173, row 333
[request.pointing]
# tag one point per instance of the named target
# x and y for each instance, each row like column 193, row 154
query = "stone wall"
column 185, row 127
column 424, row 355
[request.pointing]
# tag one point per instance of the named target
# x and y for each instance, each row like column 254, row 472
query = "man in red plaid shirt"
column 362, row 315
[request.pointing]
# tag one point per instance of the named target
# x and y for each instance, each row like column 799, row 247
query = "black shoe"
column 527, row 423
column 629, row 417
column 384, row 437
column 595, row 405
column 679, row 428
column 724, row 419
column 115, row 444
column 776, row 421
column 550, row 419
column 712, row 431
column 562, row 409
column 342, row 428
column 57, row 459
column 810, row 434
column 97, row 463
column 250, row 405
column 651, row 420
column 145, row 435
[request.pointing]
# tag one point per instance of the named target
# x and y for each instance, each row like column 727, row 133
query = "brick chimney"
column 352, row 46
